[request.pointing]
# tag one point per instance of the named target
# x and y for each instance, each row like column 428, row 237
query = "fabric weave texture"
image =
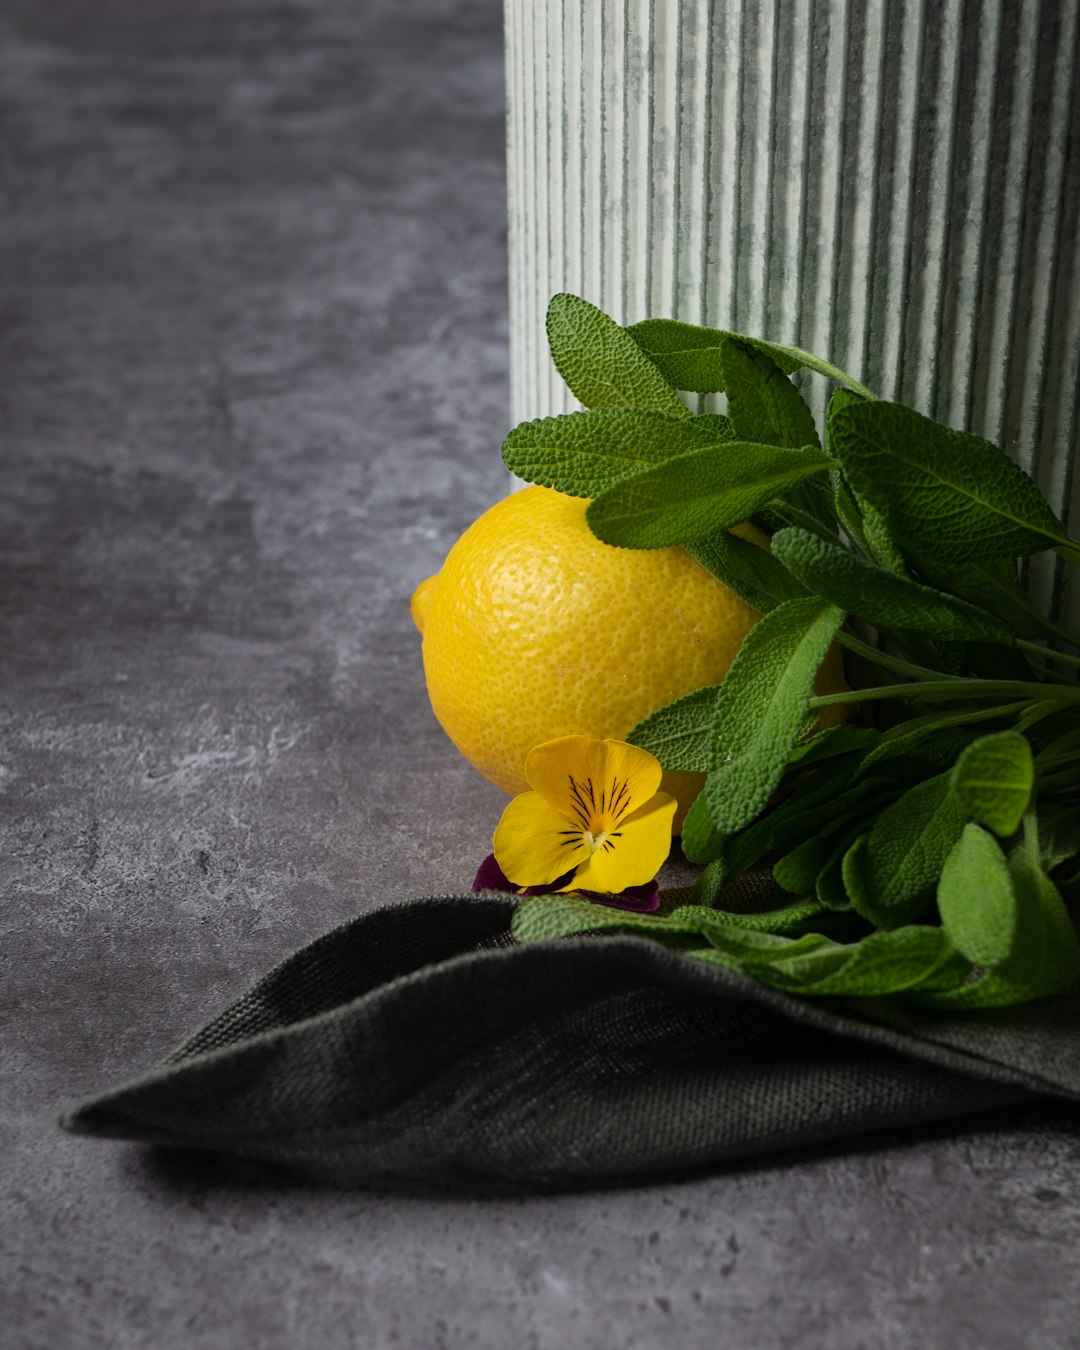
column 417, row 1044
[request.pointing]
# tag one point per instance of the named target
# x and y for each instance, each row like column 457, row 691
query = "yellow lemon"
column 535, row 629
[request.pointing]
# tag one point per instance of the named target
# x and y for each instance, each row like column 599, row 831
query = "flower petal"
column 491, row 877
column 535, row 844
column 634, row 853
column 593, row 782
column 639, row 899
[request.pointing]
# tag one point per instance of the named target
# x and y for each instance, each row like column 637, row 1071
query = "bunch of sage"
column 924, row 843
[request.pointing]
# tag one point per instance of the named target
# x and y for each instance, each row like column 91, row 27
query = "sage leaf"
column 863, row 522
column 879, row 597
column 842, row 815
column 1045, row 958
column 905, row 737
column 716, row 425
column 678, row 733
column 890, row 874
column 602, row 365
column 702, row 842
column 991, row 584
column 1059, row 836
column 841, row 739
column 691, row 496
column 582, row 454
column 690, row 355
column 763, row 404
column 781, row 921
column 750, row 571
column 543, row 917
column 761, row 706
column 780, row 828
column 976, row 899
column 882, row 963
column 949, row 495
column 993, row 779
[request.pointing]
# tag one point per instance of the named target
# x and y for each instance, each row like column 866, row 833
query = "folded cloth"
column 418, row 1044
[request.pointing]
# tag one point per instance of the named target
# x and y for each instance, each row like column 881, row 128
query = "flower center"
column 595, row 841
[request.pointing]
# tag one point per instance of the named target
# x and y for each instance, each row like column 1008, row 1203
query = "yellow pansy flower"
column 596, row 811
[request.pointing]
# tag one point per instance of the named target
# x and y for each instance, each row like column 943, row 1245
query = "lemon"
column 535, row 629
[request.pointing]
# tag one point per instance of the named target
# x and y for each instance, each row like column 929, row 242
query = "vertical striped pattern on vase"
column 894, row 185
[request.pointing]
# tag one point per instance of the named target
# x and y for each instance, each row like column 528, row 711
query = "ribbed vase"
column 892, row 184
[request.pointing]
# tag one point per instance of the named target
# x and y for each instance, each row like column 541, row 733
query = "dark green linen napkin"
column 417, row 1044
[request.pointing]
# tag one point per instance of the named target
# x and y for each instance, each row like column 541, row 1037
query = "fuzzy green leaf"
column 543, row 917
column 786, row 920
column 809, row 808
column 863, row 522
column 583, row 454
column 811, row 836
column 1045, row 958
column 603, row 366
column 882, row 963
column 991, row 584
column 761, row 706
column 750, row 571
column 993, row 779
column 833, row 741
column 890, row 874
column 690, row 356
column 716, row 425
column 948, row 495
column 878, row 596
column 678, row 734
column 976, row 899
column 691, row 496
column 763, row 404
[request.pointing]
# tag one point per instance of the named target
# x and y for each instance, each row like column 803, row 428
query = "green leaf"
column 1045, row 959
column 948, row 495
column 863, row 522
column 1059, row 835
column 842, row 739
column 879, row 597
column 690, row 356
column 761, row 706
column 702, row 842
column 695, row 494
column 716, row 425
column 882, row 963
column 807, row 809
column 543, row 917
column 829, row 885
column 890, row 874
column 811, row 834
column 993, row 780
column 678, row 734
column 781, row 921
column 880, row 542
column 584, row 453
column 750, row 571
column 603, row 366
column 903, row 738
column 991, row 584
column 763, row 404
column 976, row 898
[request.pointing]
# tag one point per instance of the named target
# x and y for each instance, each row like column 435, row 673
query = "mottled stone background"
column 253, row 303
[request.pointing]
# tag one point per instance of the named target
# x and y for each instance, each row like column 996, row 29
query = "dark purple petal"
column 491, row 877
column 639, row 899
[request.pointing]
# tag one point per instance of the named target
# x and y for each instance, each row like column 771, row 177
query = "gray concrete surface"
column 254, row 382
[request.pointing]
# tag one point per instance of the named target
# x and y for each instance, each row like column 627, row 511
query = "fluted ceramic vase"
column 894, row 185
